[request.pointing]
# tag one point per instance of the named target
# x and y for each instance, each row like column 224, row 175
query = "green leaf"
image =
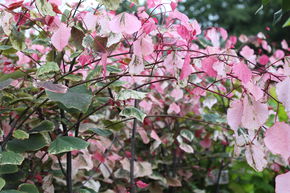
column 14, row 75
column 44, row 126
column 17, row 39
column 101, row 132
column 8, row 169
column 110, row 4
column 113, row 69
column 29, row 188
column 133, row 112
column 35, row 142
column 5, row 83
column 287, row 23
column 265, row 2
column 43, row 42
column 5, row 47
column 285, row 5
column 2, row 183
column 187, row 134
column 130, row 94
column 44, row 7
column 11, row 191
column 78, row 97
column 115, row 125
column 12, row 158
column 19, row 134
column 66, row 143
column 47, row 70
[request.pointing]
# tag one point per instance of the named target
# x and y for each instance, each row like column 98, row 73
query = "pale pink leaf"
column 173, row 108
column 248, row 53
column 255, row 114
column 282, row 89
column 187, row 148
column 282, row 183
column 242, row 71
column 255, row 157
column 61, row 36
column 255, row 90
column 90, row 21
column 234, row 114
column 50, row 86
column 277, row 139
column 143, row 46
column 177, row 94
column 125, row 23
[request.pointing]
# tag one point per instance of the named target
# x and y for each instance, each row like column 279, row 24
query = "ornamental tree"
column 96, row 99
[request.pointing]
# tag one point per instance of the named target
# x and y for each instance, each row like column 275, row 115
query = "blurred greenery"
column 238, row 16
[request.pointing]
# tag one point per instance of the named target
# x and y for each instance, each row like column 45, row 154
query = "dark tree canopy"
column 237, row 16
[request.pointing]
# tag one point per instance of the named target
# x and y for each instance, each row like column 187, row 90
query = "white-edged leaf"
column 130, row 94
column 11, row 158
column 78, row 97
column 66, row 143
column 133, row 112
column 187, row 134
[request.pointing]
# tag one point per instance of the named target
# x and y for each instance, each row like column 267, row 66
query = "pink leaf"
column 141, row 184
column 125, row 23
column 186, row 68
column 177, row 94
column 256, row 91
column 234, row 114
column 60, row 37
column 143, row 46
column 242, row 71
column 90, row 21
column 173, row 108
column 248, row 53
column 154, row 135
column 282, row 183
column 104, row 62
column 207, row 66
column 256, row 157
column 255, row 113
column 277, row 139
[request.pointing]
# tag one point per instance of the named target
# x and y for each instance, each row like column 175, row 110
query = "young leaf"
column 66, row 143
column 17, row 39
column 287, row 23
column 77, row 97
column 133, row 112
column 2, row 183
column 130, row 94
column 20, row 134
column 10, row 157
column 47, row 70
column 44, row 7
